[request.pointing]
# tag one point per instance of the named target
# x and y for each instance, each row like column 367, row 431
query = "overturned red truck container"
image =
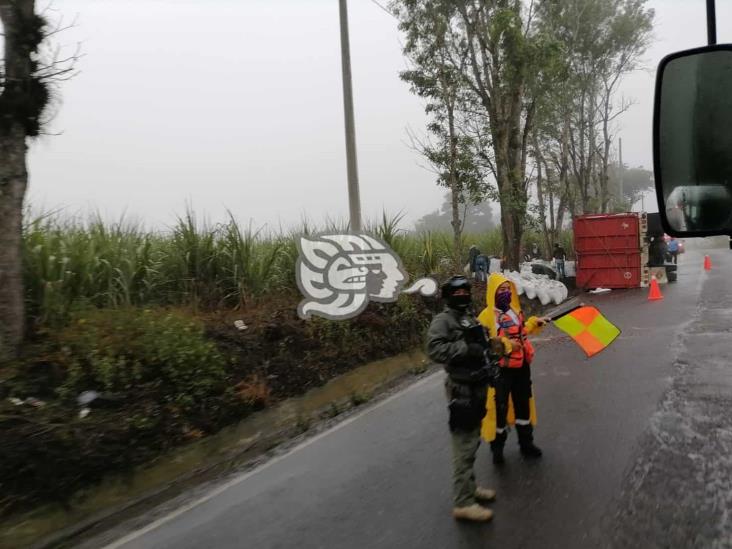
column 611, row 250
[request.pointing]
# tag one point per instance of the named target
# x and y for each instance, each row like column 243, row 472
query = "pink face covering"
column 503, row 300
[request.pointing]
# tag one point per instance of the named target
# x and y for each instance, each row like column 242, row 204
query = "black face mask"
column 459, row 302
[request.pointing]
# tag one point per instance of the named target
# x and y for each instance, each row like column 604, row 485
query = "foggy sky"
column 237, row 104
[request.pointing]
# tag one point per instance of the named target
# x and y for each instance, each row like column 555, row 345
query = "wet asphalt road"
column 637, row 442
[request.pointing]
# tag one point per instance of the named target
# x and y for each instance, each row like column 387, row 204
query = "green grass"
column 71, row 264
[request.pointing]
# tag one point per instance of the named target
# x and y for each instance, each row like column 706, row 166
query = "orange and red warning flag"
column 590, row 330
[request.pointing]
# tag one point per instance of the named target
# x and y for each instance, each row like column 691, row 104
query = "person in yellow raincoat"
column 510, row 398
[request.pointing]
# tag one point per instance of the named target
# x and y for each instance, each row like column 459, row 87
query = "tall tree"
column 495, row 43
column 493, row 50
column 529, row 74
column 25, row 80
column 603, row 40
column 509, row 58
column 626, row 39
column 434, row 76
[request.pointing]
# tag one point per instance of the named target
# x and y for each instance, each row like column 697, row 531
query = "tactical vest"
column 507, row 327
column 468, row 370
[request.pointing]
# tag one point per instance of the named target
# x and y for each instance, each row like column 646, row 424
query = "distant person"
column 559, row 257
column 473, row 254
column 657, row 252
column 482, row 264
column 456, row 340
column 673, row 249
column 677, row 217
column 535, row 251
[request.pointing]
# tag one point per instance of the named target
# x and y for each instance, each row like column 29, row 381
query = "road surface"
column 637, row 442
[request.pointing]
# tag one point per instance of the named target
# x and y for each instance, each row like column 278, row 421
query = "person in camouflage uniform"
column 456, row 340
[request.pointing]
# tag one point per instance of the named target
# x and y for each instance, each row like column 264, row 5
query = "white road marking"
column 241, row 478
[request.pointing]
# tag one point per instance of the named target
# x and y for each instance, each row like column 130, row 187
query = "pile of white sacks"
column 535, row 286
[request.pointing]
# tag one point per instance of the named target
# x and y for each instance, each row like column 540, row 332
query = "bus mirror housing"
column 692, row 142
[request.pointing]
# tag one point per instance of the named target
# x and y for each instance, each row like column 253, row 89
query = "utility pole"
column 354, row 199
column 711, row 23
column 621, row 169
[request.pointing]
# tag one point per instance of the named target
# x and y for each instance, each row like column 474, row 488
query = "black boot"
column 497, row 445
column 526, row 441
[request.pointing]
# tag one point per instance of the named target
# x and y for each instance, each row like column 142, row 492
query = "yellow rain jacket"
column 488, row 319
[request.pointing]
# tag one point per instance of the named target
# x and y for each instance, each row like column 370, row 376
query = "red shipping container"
column 608, row 249
column 607, row 233
column 618, row 261
column 609, row 271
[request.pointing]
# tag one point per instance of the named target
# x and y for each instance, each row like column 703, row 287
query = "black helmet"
column 454, row 283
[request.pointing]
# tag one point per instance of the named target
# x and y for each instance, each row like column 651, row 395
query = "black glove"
column 476, row 334
column 475, row 350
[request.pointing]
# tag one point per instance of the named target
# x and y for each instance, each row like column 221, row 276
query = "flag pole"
column 563, row 310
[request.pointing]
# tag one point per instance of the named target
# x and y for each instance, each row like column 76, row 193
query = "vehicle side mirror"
column 692, row 142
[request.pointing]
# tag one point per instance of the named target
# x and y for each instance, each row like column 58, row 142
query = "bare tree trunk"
column 456, row 223
column 561, row 209
column 582, row 175
column 513, row 143
column 607, row 116
column 550, row 201
column 457, row 226
column 592, row 183
column 13, row 177
column 563, row 175
column 13, row 182
column 606, row 141
column 502, row 94
column 605, row 169
column 512, row 233
column 578, row 153
column 510, row 213
column 540, row 195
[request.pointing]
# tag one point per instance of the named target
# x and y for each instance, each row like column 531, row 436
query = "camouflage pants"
column 465, row 442
column 464, row 447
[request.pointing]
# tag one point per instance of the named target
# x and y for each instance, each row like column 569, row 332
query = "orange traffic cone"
column 707, row 263
column 655, row 293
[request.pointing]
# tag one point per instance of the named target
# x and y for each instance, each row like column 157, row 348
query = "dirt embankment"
column 163, row 378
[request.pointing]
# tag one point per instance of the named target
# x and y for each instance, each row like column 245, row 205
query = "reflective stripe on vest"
column 507, row 326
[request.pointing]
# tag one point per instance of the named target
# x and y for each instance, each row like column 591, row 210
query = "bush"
column 136, row 350
column 161, row 383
